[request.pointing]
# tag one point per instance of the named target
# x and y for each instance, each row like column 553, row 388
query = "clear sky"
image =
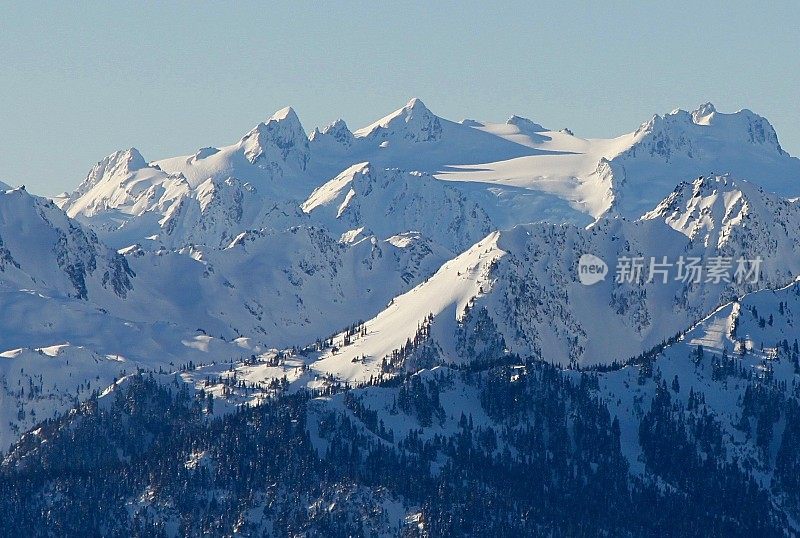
column 79, row 80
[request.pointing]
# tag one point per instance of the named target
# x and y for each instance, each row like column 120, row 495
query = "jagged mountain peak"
column 337, row 126
column 415, row 104
column 338, row 133
column 688, row 194
column 280, row 138
column 731, row 214
column 122, row 179
column 702, row 114
column 285, row 114
column 285, row 121
column 131, row 158
column 682, row 145
column 119, row 164
column 412, row 123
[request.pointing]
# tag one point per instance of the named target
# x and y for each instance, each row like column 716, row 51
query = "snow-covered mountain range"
column 411, row 244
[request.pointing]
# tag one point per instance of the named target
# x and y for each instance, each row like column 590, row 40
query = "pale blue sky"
column 79, row 80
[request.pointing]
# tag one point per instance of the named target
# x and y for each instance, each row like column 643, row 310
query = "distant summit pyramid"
column 279, row 139
column 119, row 165
column 413, row 123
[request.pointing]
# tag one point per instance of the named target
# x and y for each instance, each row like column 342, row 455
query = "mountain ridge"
column 518, row 171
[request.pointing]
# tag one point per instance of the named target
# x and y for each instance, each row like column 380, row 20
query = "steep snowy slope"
column 281, row 288
column 731, row 214
column 218, row 211
column 42, row 249
column 518, row 291
column 445, row 295
column 388, row 202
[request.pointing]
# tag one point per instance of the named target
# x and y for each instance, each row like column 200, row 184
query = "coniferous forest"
column 538, row 454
